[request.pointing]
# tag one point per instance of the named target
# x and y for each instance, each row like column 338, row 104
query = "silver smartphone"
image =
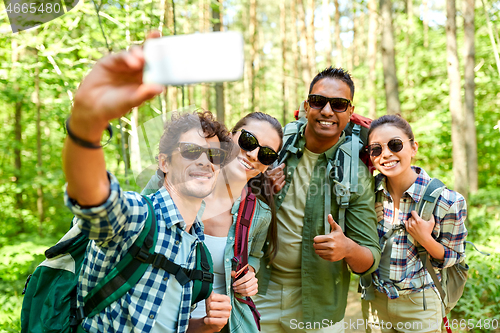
column 194, row 58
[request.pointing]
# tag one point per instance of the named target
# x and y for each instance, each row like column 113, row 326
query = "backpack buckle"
column 207, row 277
column 142, row 255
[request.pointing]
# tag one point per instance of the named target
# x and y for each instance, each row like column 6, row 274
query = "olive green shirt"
column 325, row 284
column 288, row 261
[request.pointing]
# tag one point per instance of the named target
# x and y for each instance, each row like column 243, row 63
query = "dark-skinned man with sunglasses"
column 305, row 288
column 190, row 156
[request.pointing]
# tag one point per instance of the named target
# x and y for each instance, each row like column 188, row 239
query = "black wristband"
column 85, row 143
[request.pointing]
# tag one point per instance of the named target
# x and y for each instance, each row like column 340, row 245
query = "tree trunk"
column 327, row 32
column 17, row 147
column 388, row 59
column 470, row 121
column 492, row 38
column 425, row 21
column 409, row 32
column 295, row 53
column 190, row 91
column 306, row 70
column 135, row 150
column 219, row 87
column 340, row 61
column 355, row 39
column 457, row 116
column 372, row 58
column 39, row 190
column 173, row 98
column 17, row 132
column 311, row 43
column 359, row 51
column 204, row 20
column 284, row 85
column 162, row 20
column 253, row 52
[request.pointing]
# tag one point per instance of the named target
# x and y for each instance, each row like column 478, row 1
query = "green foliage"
column 481, row 299
column 17, row 261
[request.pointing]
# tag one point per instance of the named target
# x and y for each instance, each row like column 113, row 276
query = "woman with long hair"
column 258, row 139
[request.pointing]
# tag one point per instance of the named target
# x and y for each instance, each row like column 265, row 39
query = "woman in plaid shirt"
column 401, row 279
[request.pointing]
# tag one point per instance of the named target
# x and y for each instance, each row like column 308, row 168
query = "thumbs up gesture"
column 334, row 246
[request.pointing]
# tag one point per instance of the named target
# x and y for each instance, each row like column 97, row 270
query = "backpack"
column 240, row 259
column 339, row 168
column 50, row 293
column 453, row 278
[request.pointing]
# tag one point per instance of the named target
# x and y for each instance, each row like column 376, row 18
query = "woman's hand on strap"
column 420, row 229
column 246, row 285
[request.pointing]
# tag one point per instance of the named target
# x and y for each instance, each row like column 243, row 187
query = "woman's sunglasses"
column 247, row 141
column 395, row 145
column 337, row 104
column 192, row 151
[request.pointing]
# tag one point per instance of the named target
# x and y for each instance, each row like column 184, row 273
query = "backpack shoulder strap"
column 243, row 223
column 339, row 179
column 290, row 138
column 425, row 208
column 343, row 169
column 240, row 259
column 126, row 273
column 203, row 281
column 428, row 202
column 355, row 147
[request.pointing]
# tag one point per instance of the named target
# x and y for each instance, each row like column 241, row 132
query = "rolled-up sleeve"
column 361, row 221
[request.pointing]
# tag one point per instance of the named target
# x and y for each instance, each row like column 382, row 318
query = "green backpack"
column 453, row 279
column 49, row 303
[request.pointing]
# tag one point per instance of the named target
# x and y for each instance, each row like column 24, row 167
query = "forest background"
column 435, row 62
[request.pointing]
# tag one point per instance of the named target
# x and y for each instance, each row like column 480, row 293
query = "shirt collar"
column 236, row 206
column 331, row 151
column 415, row 191
column 172, row 216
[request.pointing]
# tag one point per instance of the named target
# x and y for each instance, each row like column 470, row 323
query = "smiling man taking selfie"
column 190, row 155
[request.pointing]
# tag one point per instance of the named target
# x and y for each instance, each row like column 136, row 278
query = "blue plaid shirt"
column 113, row 227
column 406, row 272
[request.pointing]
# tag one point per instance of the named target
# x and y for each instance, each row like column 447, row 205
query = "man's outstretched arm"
column 110, row 90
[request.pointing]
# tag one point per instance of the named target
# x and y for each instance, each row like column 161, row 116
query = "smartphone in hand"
column 194, row 58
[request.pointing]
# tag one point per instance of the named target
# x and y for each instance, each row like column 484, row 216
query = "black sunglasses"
column 338, row 104
column 247, row 141
column 395, row 145
column 192, row 151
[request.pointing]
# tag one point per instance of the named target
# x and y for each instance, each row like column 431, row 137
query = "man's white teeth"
column 390, row 164
column 326, row 123
column 202, row 177
column 246, row 165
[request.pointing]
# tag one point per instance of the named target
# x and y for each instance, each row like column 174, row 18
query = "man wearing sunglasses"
column 190, row 157
column 305, row 288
